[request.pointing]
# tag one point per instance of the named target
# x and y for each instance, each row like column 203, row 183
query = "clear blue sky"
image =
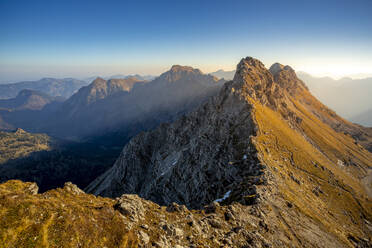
column 85, row 38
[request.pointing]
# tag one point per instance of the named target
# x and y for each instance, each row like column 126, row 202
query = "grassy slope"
column 42, row 220
column 19, row 144
column 343, row 204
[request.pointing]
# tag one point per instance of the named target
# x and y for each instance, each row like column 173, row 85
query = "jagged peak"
column 268, row 86
column 251, row 72
column 252, row 75
column 248, row 66
column 249, row 62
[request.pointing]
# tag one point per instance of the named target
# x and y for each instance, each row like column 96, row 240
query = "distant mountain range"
column 348, row 97
column 51, row 86
column 130, row 104
column 99, row 89
column 364, row 118
column 139, row 77
column 227, row 75
column 28, row 109
column 65, row 87
column 28, row 99
column 122, row 76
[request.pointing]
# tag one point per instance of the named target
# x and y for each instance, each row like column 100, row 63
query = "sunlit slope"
column 65, row 217
column 19, row 144
column 317, row 169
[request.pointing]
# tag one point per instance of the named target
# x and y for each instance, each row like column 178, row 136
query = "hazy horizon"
column 116, row 73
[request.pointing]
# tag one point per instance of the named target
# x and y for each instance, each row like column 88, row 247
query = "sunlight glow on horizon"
column 337, row 70
column 333, row 70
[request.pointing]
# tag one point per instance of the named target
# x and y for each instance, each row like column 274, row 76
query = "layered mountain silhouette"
column 25, row 108
column 125, row 105
column 28, row 99
column 51, row 86
column 364, row 118
column 98, row 90
column 139, row 77
column 348, row 97
column 227, row 75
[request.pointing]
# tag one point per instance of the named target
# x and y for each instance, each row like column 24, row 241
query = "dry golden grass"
column 301, row 168
column 20, row 144
column 59, row 218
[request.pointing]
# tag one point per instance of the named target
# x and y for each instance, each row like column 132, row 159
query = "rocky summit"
column 261, row 164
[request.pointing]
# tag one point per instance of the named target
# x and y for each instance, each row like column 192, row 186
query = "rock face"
column 192, row 161
column 265, row 143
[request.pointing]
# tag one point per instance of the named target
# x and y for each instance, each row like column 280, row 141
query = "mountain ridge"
column 260, row 142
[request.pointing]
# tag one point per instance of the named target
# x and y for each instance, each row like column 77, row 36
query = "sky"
column 55, row 38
